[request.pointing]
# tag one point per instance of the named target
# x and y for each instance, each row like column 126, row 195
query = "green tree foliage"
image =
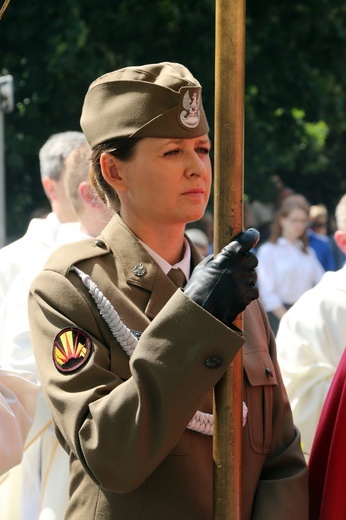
column 295, row 96
column 295, row 79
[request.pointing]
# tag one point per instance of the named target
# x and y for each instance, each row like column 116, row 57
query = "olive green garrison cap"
column 157, row 100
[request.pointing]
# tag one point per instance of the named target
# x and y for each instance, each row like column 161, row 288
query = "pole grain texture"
column 228, row 221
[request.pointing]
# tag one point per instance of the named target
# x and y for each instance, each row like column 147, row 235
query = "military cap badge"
column 190, row 99
column 71, row 349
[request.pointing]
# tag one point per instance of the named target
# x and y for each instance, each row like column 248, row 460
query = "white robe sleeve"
column 310, row 342
column 18, row 397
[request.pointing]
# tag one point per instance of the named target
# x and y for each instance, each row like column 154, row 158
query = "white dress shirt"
column 184, row 264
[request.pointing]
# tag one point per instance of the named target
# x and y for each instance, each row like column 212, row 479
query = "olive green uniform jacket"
column 123, row 421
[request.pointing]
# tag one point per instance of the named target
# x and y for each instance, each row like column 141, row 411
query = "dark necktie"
column 177, row 276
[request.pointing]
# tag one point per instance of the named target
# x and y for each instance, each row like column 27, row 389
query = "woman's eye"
column 172, row 152
column 205, row 151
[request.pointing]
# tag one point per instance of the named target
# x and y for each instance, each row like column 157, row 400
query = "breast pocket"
column 260, row 382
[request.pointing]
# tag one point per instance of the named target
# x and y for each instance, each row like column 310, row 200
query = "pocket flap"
column 259, row 368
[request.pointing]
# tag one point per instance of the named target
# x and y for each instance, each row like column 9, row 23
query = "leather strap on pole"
column 228, row 220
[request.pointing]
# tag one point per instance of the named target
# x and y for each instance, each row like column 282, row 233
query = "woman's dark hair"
column 123, row 149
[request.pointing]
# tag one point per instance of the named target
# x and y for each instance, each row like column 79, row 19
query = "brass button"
column 269, row 372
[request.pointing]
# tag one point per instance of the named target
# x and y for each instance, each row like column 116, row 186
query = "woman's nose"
column 194, row 165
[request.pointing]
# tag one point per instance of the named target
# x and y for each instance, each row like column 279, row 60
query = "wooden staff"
column 228, row 220
column 4, row 7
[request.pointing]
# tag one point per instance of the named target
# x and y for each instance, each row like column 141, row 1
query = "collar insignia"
column 140, row 270
column 71, row 349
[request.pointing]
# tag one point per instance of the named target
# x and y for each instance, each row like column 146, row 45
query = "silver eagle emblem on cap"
column 191, row 115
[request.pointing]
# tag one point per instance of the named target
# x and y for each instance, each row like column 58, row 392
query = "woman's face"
column 166, row 182
column 295, row 224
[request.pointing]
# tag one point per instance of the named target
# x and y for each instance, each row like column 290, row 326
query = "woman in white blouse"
column 287, row 265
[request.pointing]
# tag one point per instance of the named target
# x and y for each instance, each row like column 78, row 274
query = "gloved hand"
column 226, row 283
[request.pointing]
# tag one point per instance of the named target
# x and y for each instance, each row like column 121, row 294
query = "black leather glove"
column 226, row 283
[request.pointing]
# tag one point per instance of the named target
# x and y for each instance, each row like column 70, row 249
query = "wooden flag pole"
column 4, row 7
column 228, row 220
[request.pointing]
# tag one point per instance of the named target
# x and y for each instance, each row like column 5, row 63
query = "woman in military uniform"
column 127, row 360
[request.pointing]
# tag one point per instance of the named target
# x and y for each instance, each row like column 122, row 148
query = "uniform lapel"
column 139, row 270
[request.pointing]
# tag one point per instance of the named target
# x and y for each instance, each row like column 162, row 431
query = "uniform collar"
column 140, row 269
column 184, row 264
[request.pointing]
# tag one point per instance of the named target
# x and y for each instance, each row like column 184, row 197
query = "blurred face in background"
column 295, row 224
column 319, row 225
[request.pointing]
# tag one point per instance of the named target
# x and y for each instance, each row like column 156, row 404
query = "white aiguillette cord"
column 201, row 422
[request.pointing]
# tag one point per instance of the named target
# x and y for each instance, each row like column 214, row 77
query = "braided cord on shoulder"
column 201, row 422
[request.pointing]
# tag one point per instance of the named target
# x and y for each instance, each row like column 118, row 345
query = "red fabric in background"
column 327, row 463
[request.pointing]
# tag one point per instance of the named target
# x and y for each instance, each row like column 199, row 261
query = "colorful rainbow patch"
column 71, row 349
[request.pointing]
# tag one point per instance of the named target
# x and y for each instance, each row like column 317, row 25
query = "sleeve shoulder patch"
column 71, row 349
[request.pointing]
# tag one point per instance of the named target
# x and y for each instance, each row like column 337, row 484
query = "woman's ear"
column 112, row 171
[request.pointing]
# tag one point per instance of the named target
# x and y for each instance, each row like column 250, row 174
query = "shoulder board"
column 67, row 255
